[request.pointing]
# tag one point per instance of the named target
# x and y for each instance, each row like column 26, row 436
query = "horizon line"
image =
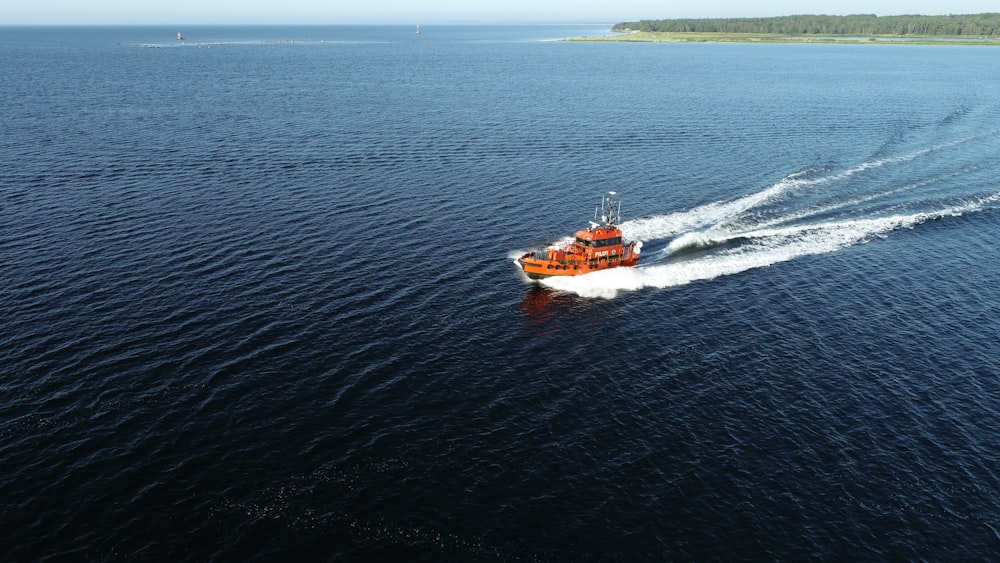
column 446, row 22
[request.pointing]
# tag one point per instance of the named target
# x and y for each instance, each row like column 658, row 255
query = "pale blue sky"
column 19, row 12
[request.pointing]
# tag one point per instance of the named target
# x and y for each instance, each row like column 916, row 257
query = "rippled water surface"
column 258, row 297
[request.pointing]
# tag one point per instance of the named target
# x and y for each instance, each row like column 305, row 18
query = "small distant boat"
column 598, row 247
column 180, row 37
column 418, row 30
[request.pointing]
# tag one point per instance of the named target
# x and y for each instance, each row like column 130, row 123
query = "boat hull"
column 537, row 269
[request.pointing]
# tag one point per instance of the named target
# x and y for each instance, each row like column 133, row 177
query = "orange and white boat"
column 598, row 247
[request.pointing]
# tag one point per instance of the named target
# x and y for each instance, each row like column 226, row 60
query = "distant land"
column 970, row 29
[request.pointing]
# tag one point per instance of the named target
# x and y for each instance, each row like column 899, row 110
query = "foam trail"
column 694, row 239
column 663, row 226
column 718, row 213
column 764, row 247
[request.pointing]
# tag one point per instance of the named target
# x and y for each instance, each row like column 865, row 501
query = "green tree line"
column 972, row 25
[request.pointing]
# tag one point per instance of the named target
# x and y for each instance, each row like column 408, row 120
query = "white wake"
column 760, row 248
column 770, row 226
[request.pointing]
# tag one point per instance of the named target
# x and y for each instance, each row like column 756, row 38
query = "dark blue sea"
column 258, row 298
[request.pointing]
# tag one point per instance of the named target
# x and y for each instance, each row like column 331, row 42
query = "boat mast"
column 611, row 213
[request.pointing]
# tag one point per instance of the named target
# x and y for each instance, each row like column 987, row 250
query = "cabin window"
column 608, row 242
column 584, row 241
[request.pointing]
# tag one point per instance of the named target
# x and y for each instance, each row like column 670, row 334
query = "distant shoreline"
column 707, row 37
